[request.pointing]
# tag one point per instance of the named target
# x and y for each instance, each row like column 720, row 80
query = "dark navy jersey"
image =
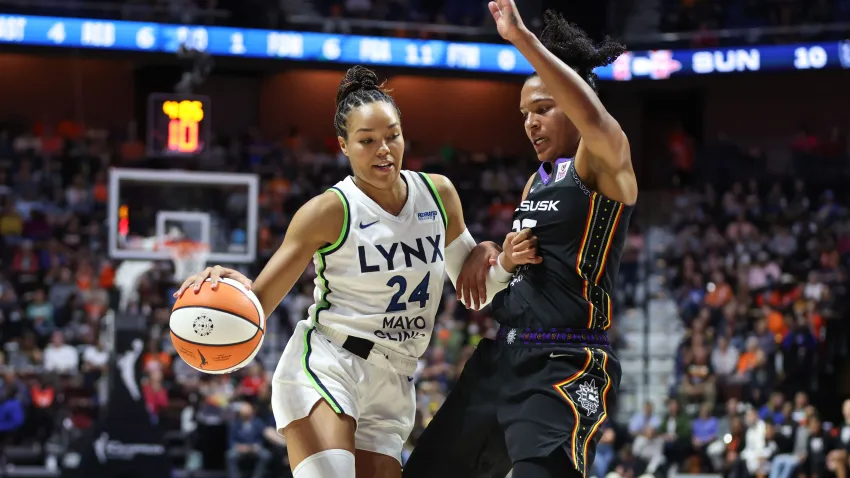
column 581, row 235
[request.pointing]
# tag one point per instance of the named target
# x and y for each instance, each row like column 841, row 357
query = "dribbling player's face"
column 552, row 134
column 375, row 145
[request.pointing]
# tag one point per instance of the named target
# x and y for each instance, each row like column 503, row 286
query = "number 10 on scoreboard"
column 177, row 124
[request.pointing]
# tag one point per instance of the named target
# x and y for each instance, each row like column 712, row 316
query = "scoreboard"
column 178, row 125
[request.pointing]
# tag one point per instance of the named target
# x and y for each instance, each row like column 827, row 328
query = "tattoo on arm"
column 514, row 19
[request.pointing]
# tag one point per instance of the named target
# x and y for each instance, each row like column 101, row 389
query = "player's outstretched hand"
column 215, row 274
column 471, row 283
column 507, row 18
column 520, row 248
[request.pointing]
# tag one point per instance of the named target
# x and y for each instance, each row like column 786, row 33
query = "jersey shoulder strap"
column 346, row 224
column 435, row 195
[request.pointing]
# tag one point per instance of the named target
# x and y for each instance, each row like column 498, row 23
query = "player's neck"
column 391, row 200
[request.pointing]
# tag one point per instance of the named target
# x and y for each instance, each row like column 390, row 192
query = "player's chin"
column 384, row 176
column 546, row 155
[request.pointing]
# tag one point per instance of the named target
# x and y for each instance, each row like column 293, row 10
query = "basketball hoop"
column 189, row 257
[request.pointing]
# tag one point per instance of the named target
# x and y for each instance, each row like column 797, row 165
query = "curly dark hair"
column 572, row 46
column 359, row 87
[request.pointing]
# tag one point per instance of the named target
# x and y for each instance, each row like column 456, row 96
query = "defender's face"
column 551, row 133
column 375, row 145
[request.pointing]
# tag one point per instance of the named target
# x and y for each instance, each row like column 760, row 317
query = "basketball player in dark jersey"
column 534, row 399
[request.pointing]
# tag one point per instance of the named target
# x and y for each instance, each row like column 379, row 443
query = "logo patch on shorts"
column 429, row 216
column 588, row 397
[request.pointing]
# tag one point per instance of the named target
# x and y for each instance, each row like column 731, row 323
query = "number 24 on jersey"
column 420, row 293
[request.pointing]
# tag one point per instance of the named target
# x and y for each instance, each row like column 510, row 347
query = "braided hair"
column 572, row 46
column 359, row 87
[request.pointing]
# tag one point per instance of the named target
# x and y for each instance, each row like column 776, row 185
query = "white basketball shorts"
column 382, row 402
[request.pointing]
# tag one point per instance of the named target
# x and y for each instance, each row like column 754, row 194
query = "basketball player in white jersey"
column 381, row 240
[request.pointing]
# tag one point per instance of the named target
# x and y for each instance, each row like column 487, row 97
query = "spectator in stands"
column 837, row 459
column 42, row 410
column 643, row 419
column 698, row 384
column 754, row 453
column 604, row 451
column 724, row 359
column 772, row 410
column 747, row 361
column 627, row 464
column 780, row 441
column 27, row 354
column 719, row 291
column 62, row 289
column 156, row 397
column 649, row 446
column 11, row 420
column 818, row 447
column 246, row 442
column 677, row 432
column 799, row 349
column 253, row 382
column 95, row 358
column 154, row 358
column 59, row 356
column 705, row 428
column 733, row 465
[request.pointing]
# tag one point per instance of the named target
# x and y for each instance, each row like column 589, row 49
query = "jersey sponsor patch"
column 562, row 170
column 429, row 216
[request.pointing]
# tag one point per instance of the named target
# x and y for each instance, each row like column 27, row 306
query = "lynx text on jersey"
column 388, row 253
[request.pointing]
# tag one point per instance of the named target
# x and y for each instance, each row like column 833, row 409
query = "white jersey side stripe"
column 322, row 253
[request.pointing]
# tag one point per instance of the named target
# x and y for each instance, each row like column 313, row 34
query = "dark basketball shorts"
column 521, row 398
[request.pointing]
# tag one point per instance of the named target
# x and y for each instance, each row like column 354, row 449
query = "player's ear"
column 342, row 145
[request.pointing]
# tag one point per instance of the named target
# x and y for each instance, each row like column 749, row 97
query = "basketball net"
column 189, row 257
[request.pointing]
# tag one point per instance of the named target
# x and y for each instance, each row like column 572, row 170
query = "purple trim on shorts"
column 544, row 176
column 517, row 336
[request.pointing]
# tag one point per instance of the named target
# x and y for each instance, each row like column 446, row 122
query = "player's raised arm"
column 603, row 153
column 317, row 223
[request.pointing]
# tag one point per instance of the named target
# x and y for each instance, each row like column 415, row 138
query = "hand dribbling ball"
column 217, row 331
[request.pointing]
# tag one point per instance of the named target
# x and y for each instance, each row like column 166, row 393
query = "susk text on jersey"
column 581, row 235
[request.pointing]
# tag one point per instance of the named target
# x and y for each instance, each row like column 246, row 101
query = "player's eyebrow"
column 369, row 130
column 534, row 101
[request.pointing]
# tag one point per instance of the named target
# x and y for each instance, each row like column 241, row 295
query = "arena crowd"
column 758, row 270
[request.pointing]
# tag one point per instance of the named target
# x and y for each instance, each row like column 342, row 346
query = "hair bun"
column 574, row 47
column 356, row 78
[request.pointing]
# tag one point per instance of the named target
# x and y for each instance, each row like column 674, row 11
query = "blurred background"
column 141, row 139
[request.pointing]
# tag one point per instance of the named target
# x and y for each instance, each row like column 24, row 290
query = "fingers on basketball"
column 185, row 285
column 215, row 276
column 200, row 278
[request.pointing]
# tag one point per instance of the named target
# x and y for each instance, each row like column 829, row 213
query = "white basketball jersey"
column 383, row 278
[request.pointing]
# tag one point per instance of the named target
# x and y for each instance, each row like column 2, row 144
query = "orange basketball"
column 218, row 331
